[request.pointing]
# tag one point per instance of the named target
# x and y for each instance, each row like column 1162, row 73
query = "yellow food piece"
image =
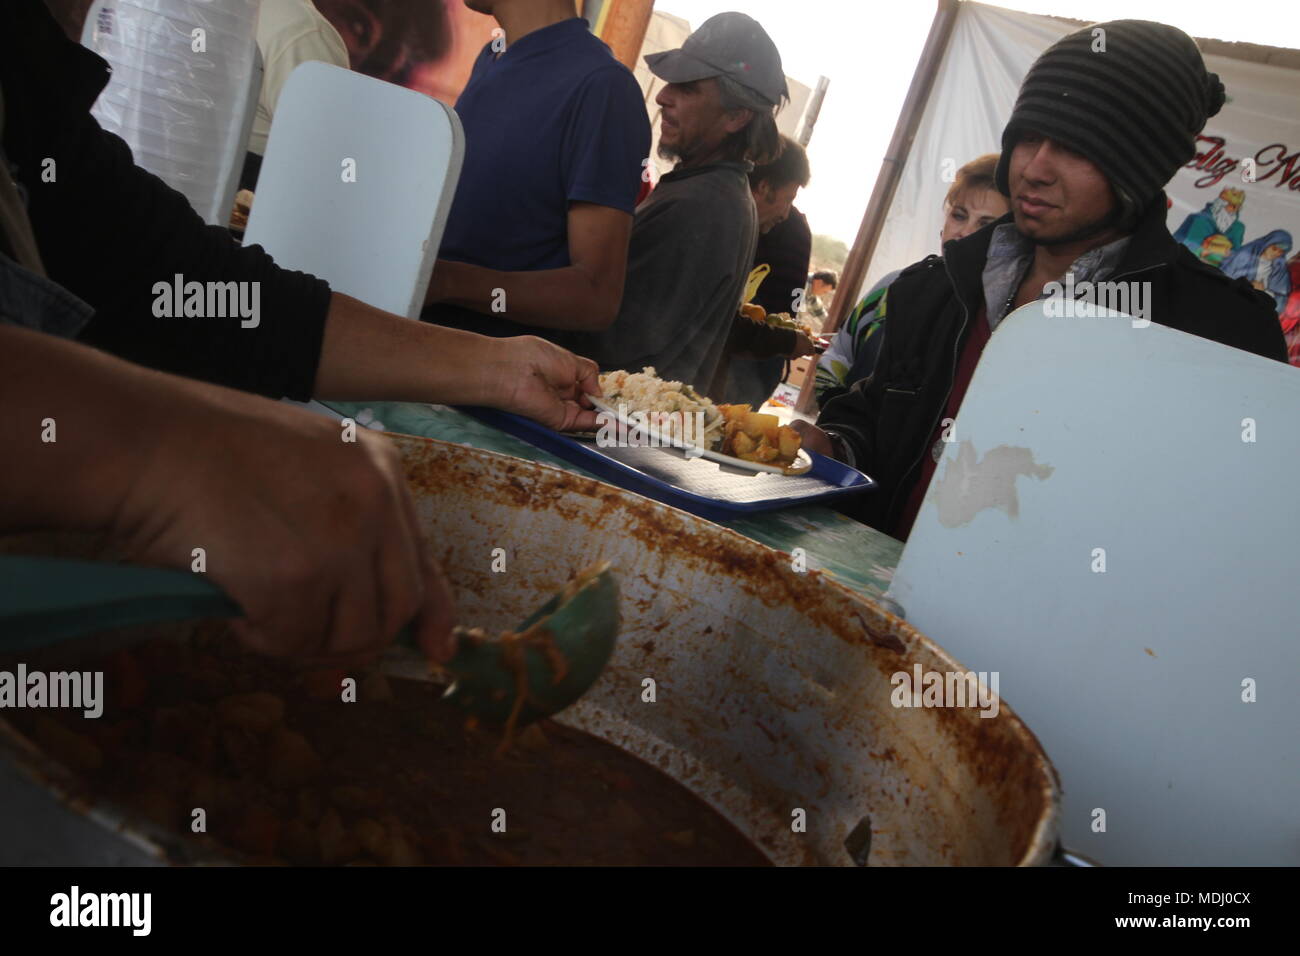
column 755, row 312
column 757, row 425
column 754, row 436
column 789, row 443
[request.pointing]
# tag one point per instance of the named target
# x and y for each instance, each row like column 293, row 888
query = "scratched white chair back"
column 356, row 184
column 1113, row 529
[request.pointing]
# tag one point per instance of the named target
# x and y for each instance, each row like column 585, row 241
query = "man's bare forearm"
column 79, row 424
column 369, row 355
column 571, row 298
column 372, row 355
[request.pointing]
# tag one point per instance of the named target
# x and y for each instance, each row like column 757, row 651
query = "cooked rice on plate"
column 644, row 391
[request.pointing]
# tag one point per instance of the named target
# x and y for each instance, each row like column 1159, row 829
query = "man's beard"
column 680, row 153
column 1223, row 219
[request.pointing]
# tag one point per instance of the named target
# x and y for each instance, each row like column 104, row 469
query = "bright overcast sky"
column 869, row 50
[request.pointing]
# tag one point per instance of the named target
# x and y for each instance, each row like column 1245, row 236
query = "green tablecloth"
column 859, row 557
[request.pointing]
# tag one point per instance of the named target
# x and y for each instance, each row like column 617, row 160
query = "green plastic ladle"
column 553, row 657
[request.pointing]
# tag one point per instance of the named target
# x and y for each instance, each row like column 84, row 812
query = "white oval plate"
column 802, row 463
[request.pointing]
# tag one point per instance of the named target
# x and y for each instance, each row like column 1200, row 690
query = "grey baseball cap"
column 731, row 44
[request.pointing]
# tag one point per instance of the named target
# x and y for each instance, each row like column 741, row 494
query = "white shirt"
column 289, row 32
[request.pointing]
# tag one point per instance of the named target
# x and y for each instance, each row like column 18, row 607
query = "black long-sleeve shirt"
column 785, row 249
column 108, row 230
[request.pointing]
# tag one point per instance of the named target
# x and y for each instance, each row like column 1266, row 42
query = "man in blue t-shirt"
column 556, row 137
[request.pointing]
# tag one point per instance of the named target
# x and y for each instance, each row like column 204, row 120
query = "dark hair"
column 830, row 278
column 759, row 141
column 791, row 166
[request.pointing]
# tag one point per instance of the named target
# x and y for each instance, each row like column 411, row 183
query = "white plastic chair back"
column 1113, row 529
column 356, row 184
column 185, row 112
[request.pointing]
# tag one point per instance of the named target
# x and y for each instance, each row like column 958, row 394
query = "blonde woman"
column 973, row 202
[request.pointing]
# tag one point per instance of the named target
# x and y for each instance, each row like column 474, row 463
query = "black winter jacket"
column 887, row 420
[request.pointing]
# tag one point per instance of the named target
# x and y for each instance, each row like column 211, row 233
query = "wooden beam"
column 625, row 25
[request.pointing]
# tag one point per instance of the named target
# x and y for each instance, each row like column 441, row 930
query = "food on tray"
column 753, row 436
column 783, row 320
column 666, row 403
column 734, row 430
column 285, row 770
column 754, row 312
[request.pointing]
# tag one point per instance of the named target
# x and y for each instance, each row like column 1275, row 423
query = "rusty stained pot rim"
column 885, row 632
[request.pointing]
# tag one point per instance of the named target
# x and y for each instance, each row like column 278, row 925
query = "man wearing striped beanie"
column 1104, row 119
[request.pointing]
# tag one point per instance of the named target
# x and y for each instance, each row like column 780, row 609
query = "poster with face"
column 425, row 45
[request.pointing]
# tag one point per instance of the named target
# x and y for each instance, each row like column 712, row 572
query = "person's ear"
column 733, row 121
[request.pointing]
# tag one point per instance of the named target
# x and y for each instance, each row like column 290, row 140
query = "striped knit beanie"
column 1130, row 98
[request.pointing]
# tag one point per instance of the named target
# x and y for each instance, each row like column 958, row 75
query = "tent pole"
column 891, row 169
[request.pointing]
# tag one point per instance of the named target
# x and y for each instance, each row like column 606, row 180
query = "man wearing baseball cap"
column 693, row 238
column 1097, row 131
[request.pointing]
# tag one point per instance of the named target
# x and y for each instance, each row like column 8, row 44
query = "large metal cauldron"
column 772, row 689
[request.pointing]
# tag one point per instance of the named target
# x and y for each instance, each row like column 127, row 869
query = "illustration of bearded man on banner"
column 1262, row 262
column 1214, row 232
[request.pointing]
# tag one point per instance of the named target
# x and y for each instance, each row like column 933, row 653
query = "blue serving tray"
column 706, row 488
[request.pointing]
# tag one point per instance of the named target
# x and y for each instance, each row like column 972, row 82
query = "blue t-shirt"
column 554, row 119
